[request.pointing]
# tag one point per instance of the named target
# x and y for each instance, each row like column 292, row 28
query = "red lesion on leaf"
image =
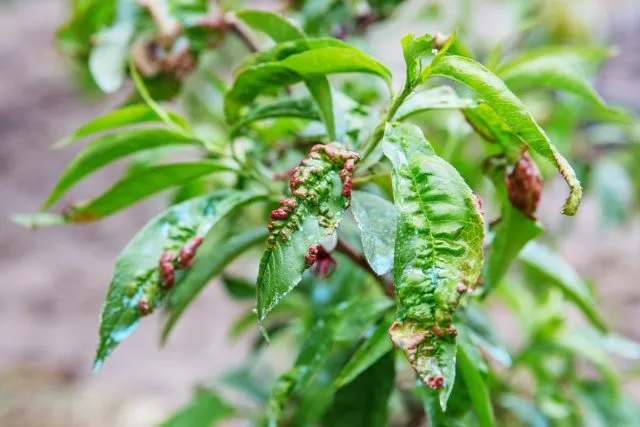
column 435, row 382
column 143, row 306
column 407, row 343
column 311, row 255
column 279, row 214
column 325, row 264
column 524, row 185
column 461, row 288
column 188, row 252
column 167, row 269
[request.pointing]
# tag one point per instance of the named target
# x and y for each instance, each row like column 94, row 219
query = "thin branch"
column 359, row 259
column 241, row 32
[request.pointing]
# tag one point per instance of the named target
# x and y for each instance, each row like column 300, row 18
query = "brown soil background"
column 54, row 280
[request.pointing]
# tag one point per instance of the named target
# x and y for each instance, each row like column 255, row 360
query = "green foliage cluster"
column 379, row 263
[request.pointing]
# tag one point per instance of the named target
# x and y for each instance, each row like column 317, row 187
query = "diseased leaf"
column 437, row 98
column 559, row 273
column 205, row 409
column 364, row 401
column 125, row 116
column 302, row 61
column 146, row 268
column 477, row 388
column 217, row 250
column 515, row 115
column 356, row 315
column 140, row 184
column 109, row 148
column 276, row 26
column 376, row 219
column 367, row 354
column 303, row 108
column 321, row 189
column 438, row 253
column 559, row 68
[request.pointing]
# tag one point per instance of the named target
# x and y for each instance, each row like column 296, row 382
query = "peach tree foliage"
column 377, row 254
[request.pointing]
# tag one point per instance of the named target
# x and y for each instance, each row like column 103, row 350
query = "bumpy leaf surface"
column 141, row 280
column 321, row 190
column 438, row 254
column 515, row 115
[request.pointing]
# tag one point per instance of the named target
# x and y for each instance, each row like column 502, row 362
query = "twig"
column 238, row 29
column 359, row 259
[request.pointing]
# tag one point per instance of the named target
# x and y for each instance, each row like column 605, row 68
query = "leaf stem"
column 360, row 260
column 377, row 135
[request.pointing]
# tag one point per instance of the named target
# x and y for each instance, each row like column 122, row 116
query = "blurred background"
column 54, row 280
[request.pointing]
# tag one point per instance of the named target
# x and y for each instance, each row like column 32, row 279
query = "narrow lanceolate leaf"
column 357, row 315
column 368, row 353
column 515, row 115
column 125, row 116
column 215, row 253
column 477, row 388
column 364, row 402
column 272, row 24
column 140, row 184
column 321, row 190
column 438, row 98
column 550, row 70
column 376, row 219
column 303, row 108
column 293, row 62
column 205, row 409
column 147, row 268
column 438, row 254
column 110, row 148
column 544, row 261
column 511, row 234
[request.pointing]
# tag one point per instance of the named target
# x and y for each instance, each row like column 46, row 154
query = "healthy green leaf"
column 482, row 333
column 438, row 253
column 367, row 354
column 614, row 189
column 253, row 79
column 376, row 219
column 558, row 68
column 303, row 108
column 141, row 184
column 311, row 215
column 109, row 148
column 218, row 249
column 125, row 116
column 477, row 388
column 138, row 286
column 559, row 273
column 511, row 234
column 515, row 115
column 238, row 287
column 356, row 315
column 274, row 25
column 205, row 409
column 491, row 127
column 364, row 401
column 441, row 97
column 413, row 49
column 321, row 92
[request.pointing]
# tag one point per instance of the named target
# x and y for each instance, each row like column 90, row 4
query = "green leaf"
column 437, row 98
column 303, row 108
column 477, row 388
column 356, row 315
column 511, row 234
column 253, row 79
column 364, row 401
column 140, row 184
column 491, row 127
column 558, row 68
column 413, row 49
column 366, row 355
column 315, row 211
column 136, row 276
column 614, row 189
column 557, row 272
column 108, row 57
column 218, row 249
column 438, row 253
column 482, row 334
column 515, row 115
column 321, row 91
column 125, row 116
column 205, row 409
column 376, row 219
column 238, row 287
column 109, row 148
column 276, row 26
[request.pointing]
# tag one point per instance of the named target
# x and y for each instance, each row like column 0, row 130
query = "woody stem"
column 360, row 260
